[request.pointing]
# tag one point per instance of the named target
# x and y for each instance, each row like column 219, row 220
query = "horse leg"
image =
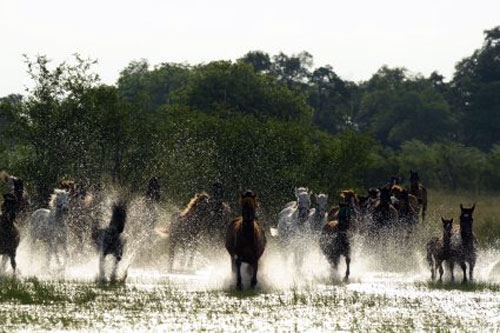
column 451, row 266
column 347, row 271
column 441, row 270
column 464, row 270
column 115, row 268
column 171, row 249
column 238, row 274
column 102, row 261
column 13, row 262
column 4, row 261
column 254, row 276
column 233, row 264
column 471, row 270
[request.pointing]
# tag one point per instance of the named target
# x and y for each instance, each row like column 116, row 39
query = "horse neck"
column 8, row 218
column 415, row 187
column 466, row 232
column 446, row 239
column 59, row 216
column 303, row 214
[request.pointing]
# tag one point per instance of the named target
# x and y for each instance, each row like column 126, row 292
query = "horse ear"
column 461, row 206
column 451, row 220
column 442, row 219
column 473, row 207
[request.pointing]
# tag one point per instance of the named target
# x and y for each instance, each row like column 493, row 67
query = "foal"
column 438, row 250
column 9, row 235
column 245, row 238
column 109, row 240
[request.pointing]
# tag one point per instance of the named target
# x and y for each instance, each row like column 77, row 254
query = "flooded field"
column 395, row 295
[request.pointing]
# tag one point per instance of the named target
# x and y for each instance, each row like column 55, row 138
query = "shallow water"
column 389, row 295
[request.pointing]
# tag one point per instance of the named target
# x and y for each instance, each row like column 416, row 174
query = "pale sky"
column 355, row 37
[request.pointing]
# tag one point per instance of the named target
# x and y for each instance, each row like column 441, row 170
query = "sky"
column 355, row 37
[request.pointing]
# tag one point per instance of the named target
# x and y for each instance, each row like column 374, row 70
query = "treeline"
column 265, row 122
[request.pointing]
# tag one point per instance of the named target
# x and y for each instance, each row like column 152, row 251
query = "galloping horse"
column 9, row 235
column 407, row 206
column 15, row 186
column 50, row 225
column 438, row 250
column 246, row 239
column 293, row 224
column 464, row 242
column 319, row 215
column 185, row 227
column 109, row 240
column 218, row 219
column 336, row 237
column 419, row 191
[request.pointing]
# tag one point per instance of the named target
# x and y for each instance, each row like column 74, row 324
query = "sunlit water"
column 384, row 293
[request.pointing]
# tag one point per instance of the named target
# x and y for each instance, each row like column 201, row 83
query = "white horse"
column 293, row 225
column 50, row 226
column 318, row 217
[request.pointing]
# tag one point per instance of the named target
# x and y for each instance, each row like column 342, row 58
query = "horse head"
column 248, row 201
column 466, row 219
column 447, row 225
column 303, row 201
column 344, row 216
column 60, row 201
column 322, row 201
column 217, row 191
column 414, row 178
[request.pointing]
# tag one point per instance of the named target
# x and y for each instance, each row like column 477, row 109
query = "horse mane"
column 193, row 202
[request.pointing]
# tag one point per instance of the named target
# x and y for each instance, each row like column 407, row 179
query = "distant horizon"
column 355, row 38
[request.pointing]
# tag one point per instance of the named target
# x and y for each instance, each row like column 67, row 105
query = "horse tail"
column 119, row 216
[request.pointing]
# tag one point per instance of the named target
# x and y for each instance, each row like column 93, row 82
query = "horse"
column 15, row 186
column 186, row 225
column 438, row 250
column 407, row 206
column 336, row 237
column 110, row 241
column 50, row 225
column 319, row 215
column 219, row 217
column 9, row 235
column 246, row 239
column 419, row 191
column 293, row 224
column 464, row 242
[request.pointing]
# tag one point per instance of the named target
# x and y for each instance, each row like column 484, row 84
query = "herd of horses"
column 208, row 221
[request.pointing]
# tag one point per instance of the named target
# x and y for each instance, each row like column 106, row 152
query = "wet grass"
column 466, row 287
column 38, row 305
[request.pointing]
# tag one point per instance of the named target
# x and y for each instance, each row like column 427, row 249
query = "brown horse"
column 438, row 250
column 419, row 191
column 9, row 235
column 464, row 242
column 407, row 206
column 245, row 238
column 336, row 238
column 186, row 225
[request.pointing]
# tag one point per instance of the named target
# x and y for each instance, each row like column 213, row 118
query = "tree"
column 476, row 92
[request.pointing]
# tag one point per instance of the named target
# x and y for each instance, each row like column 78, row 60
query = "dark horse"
column 245, row 238
column 9, row 235
column 464, row 242
column 109, row 240
column 438, row 250
column 336, row 237
column 15, row 186
column 419, row 191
